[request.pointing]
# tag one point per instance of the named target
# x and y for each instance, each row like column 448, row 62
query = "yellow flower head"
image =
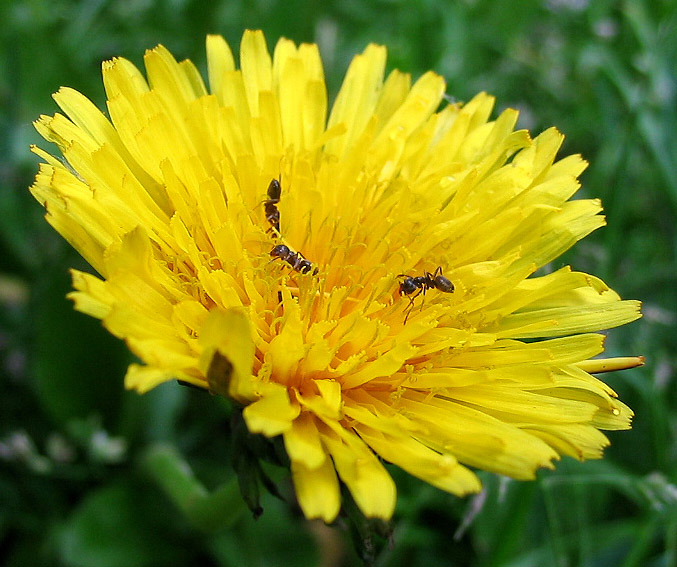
column 363, row 285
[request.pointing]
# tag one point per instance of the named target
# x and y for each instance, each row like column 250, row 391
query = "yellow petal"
column 369, row 483
column 273, row 413
column 317, row 490
column 228, row 333
column 302, row 442
column 219, row 62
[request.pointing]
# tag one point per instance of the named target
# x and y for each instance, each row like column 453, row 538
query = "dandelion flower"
column 365, row 285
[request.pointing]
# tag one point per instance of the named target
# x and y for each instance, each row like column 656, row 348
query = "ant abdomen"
column 270, row 205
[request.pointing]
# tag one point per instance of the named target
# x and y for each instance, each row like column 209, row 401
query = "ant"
column 420, row 284
column 294, row 259
column 270, row 205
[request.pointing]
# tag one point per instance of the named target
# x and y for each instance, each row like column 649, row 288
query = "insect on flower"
column 294, row 259
column 270, row 205
column 387, row 167
column 418, row 285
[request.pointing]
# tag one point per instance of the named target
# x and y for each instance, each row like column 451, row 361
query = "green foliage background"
column 91, row 475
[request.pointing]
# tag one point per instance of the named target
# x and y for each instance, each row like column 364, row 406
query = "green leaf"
column 78, row 367
column 117, row 526
column 206, row 511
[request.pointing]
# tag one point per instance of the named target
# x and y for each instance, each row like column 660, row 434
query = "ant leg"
column 411, row 305
column 408, row 310
column 422, row 300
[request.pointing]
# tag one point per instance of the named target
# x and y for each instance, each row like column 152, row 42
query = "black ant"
column 420, row 284
column 270, row 205
column 294, row 259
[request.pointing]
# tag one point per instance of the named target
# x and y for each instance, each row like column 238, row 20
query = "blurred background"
column 91, row 475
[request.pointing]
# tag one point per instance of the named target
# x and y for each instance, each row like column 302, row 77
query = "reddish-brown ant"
column 418, row 285
column 294, row 259
column 282, row 251
column 270, row 205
